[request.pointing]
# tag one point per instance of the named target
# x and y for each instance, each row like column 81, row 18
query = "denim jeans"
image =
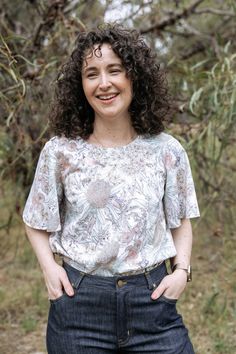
column 116, row 315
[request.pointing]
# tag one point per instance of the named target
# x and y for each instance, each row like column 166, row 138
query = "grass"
column 208, row 304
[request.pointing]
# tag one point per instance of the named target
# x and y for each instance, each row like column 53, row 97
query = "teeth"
column 106, row 97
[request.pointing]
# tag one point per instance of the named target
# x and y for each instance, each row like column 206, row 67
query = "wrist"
column 184, row 268
column 181, row 274
column 47, row 264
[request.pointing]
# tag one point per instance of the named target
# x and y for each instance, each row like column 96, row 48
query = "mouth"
column 107, row 98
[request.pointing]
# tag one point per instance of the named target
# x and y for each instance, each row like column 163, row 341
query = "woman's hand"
column 55, row 275
column 171, row 285
column 56, row 281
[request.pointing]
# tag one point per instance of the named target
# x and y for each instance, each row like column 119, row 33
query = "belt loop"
column 78, row 281
column 151, row 285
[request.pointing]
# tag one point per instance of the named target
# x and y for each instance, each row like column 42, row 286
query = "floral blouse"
column 110, row 210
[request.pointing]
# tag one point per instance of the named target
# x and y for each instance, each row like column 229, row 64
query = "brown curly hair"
column 72, row 116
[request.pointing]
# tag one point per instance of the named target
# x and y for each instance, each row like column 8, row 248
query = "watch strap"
column 188, row 270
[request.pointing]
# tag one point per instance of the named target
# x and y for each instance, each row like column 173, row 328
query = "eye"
column 115, row 71
column 91, row 75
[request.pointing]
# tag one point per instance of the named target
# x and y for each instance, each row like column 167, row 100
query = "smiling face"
column 106, row 85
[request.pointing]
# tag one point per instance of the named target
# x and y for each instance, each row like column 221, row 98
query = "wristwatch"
column 188, row 270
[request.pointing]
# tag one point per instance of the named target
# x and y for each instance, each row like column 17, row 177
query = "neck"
column 113, row 132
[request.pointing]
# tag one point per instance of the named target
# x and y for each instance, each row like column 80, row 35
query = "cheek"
column 88, row 90
column 129, row 93
column 129, row 87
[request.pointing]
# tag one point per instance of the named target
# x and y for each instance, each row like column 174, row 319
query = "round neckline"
column 119, row 147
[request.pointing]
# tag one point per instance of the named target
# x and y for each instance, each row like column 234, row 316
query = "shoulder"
column 55, row 142
column 165, row 142
column 58, row 144
column 169, row 150
column 172, row 144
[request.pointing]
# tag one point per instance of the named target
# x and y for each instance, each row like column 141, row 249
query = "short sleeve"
column 42, row 206
column 180, row 199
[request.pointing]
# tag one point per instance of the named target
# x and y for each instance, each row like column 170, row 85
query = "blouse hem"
column 43, row 228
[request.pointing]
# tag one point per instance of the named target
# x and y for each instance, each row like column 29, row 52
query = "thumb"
column 158, row 291
column 67, row 285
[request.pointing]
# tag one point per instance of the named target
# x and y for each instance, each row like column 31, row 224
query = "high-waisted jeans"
column 116, row 315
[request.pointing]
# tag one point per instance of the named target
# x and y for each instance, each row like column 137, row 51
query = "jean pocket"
column 168, row 300
column 75, row 277
column 58, row 299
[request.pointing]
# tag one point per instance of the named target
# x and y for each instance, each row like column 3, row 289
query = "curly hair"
column 72, row 116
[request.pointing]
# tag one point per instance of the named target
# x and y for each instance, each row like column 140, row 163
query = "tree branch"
column 171, row 20
column 72, row 5
column 133, row 14
column 196, row 48
column 178, row 33
column 49, row 18
column 215, row 12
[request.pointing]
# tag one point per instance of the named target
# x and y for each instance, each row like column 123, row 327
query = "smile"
column 107, row 97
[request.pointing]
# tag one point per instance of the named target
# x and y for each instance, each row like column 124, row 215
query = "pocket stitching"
column 168, row 300
column 54, row 301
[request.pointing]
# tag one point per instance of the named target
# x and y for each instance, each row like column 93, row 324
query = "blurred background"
column 195, row 42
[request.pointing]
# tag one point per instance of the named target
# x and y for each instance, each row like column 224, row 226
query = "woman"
column 112, row 195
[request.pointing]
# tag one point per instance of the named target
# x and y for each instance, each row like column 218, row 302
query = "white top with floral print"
column 110, row 210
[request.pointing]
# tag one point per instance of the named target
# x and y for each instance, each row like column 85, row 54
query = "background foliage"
column 195, row 41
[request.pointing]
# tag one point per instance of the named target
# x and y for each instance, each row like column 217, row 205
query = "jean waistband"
column 132, row 272
column 150, row 277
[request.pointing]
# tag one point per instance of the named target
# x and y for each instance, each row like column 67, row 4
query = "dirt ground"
column 13, row 342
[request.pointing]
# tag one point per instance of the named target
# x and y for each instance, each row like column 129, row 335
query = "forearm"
column 182, row 237
column 173, row 284
column 55, row 276
column 39, row 240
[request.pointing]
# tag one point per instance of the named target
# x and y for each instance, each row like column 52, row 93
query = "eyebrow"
column 94, row 68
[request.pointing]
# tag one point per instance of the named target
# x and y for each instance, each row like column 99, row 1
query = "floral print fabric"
column 110, row 210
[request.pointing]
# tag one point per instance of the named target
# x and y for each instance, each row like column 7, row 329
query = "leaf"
column 212, row 72
column 27, row 61
column 23, row 87
column 226, row 47
column 13, row 75
column 195, row 97
column 199, row 64
column 9, row 118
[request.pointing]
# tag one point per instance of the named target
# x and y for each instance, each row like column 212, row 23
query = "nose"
column 104, row 82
